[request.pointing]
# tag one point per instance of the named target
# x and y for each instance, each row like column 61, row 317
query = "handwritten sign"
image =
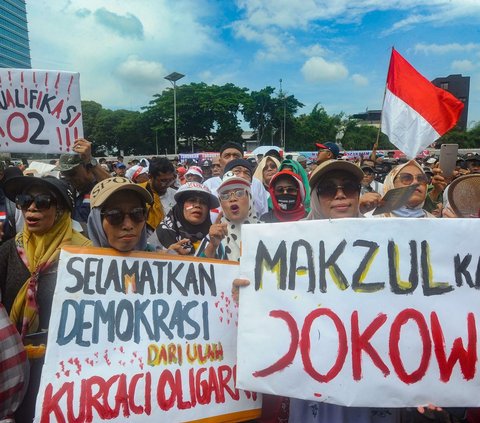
column 362, row 312
column 40, row 111
column 144, row 337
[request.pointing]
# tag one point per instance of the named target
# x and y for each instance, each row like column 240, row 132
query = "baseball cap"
column 301, row 158
column 104, row 189
column 330, row 165
column 329, row 146
column 231, row 181
column 68, row 162
column 120, row 165
column 207, row 163
column 195, row 170
column 195, row 188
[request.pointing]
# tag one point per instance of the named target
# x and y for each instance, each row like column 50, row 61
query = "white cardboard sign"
column 142, row 336
column 362, row 312
column 40, row 111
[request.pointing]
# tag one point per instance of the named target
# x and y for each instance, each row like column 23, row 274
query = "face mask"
column 286, row 201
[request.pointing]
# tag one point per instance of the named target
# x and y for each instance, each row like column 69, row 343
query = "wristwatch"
column 92, row 163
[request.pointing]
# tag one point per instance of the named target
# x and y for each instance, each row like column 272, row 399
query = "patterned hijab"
column 39, row 253
column 388, row 184
column 232, row 242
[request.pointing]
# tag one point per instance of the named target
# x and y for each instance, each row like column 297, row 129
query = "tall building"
column 14, row 45
column 459, row 86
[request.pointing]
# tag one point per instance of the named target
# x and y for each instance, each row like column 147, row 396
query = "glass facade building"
column 14, row 45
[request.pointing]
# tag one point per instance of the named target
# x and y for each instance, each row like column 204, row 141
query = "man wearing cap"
column 327, row 151
column 119, row 169
column 369, row 184
column 194, row 174
column 207, row 169
column 232, row 151
column 473, row 162
column 303, row 161
column 82, row 171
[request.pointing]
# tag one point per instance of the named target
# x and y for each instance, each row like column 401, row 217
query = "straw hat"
column 464, row 195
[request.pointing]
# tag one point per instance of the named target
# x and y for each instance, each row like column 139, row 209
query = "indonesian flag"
column 415, row 112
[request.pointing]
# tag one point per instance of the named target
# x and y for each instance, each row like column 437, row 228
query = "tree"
column 363, row 137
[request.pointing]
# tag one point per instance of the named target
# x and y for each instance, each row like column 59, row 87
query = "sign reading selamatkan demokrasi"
column 143, row 337
column 362, row 312
column 40, row 111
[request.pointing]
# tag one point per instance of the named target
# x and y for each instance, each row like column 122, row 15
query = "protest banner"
column 40, row 111
column 144, row 336
column 362, row 312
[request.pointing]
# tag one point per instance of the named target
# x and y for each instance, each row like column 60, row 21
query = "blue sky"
column 334, row 53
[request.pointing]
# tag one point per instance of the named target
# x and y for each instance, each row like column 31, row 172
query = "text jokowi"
column 359, row 344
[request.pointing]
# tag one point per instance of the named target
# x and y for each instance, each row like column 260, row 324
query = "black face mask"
column 286, row 201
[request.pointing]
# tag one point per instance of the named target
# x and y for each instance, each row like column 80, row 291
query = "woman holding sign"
column 28, row 266
column 118, row 216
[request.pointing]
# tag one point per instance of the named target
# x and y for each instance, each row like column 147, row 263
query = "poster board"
column 144, row 336
column 40, row 111
column 362, row 312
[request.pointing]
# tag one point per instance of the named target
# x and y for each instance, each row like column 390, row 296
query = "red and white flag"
column 415, row 112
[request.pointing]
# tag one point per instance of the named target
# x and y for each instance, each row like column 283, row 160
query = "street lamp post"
column 173, row 78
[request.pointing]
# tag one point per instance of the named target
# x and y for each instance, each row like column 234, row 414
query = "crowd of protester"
column 197, row 209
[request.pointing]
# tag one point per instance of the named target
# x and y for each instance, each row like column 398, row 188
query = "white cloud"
column 317, row 69
column 314, row 50
column 119, row 71
column 462, row 66
column 359, row 80
column 445, row 48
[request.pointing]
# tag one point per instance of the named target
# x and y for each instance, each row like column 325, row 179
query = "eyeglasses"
column 239, row 193
column 197, row 200
column 407, row 178
column 279, row 190
column 329, row 190
column 116, row 217
column 42, row 201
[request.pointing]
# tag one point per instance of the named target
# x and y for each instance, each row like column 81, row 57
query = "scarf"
column 259, row 170
column 233, row 243
column 97, row 234
column 302, row 173
column 298, row 212
column 388, row 184
column 155, row 211
column 175, row 227
column 39, row 252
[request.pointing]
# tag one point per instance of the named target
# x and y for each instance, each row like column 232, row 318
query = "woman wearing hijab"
column 118, row 215
column 28, row 266
column 188, row 222
column 287, row 194
column 265, row 170
column 223, row 241
column 297, row 168
column 403, row 176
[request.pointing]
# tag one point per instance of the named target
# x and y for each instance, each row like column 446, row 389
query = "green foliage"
column 363, row 137
column 469, row 139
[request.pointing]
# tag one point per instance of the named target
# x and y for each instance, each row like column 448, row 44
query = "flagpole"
column 383, row 101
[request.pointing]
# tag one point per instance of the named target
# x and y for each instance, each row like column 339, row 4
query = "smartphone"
column 448, row 158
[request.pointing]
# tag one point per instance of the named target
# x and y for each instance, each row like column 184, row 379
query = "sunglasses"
column 239, row 193
column 42, row 201
column 329, row 189
column 116, row 217
column 407, row 178
column 279, row 190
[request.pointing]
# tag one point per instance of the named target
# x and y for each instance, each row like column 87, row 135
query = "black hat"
column 19, row 184
column 207, row 163
column 472, row 156
column 238, row 162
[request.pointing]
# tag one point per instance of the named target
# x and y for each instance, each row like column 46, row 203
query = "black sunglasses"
column 329, row 189
column 42, row 201
column 116, row 217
